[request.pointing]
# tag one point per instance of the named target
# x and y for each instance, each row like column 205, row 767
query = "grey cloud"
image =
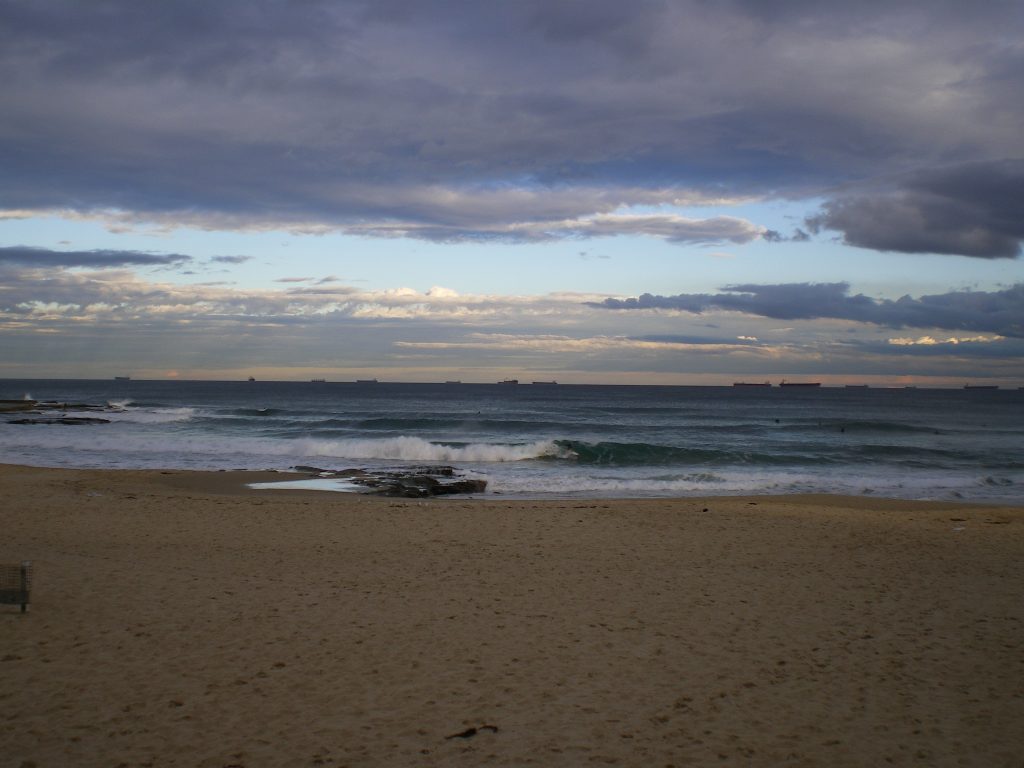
column 974, row 209
column 674, row 229
column 340, row 113
column 231, row 259
column 27, row 256
column 999, row 312
column 773, row 236
column 672, row 338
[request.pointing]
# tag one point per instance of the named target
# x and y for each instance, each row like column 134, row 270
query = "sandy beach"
column 180, row 619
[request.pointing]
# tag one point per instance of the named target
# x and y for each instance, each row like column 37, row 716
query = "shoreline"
column 235, row 482
column 179, row 618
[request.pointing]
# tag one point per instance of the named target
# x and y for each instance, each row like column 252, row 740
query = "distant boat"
column 122, row 378
column 981, row 386
column 453, row 382
column 856, row 386
column 544, row 382
column 785, row 383
column 318, row 381
column 509, row 381
column 751, row 383
column 366, row 381
column 252, row 378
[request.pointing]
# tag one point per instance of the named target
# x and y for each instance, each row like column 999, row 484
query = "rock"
column 461, row 486
column 415, row 482
column 352, row 473
column 17, row 405
column 72, row 420
column 50, row 405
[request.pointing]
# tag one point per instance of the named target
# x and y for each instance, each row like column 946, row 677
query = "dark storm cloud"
column 400, row 116
column 975, row 209
column 999, row 312
column 26, row 256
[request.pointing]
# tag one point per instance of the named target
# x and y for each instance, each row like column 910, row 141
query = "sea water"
column 541, row 440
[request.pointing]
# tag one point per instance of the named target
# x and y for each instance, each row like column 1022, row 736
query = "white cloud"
column 930, row 341
column 551, row 343
column 438, row 292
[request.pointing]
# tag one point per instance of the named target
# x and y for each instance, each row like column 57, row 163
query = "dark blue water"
column 553, row 439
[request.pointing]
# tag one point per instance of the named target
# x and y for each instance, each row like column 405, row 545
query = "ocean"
column 548, row 440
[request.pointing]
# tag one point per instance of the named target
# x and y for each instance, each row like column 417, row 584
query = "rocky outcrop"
column 74, row 420
column 406, row 482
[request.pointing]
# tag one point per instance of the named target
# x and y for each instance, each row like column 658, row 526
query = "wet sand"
column 179, row 619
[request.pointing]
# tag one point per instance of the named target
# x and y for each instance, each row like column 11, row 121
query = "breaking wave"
column 417, row 449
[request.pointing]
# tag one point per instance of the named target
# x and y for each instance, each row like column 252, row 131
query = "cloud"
column 23, row 255
column 231, row 259
column 999, row 312
column 64, row 321
column 973, row 209
column 798, row 236
column 673, row 228
column 531, row 120
column 120, row 295
column 928, row 341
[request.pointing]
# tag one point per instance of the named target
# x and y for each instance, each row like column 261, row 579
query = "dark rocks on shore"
column 72, row 420
column 411, row 482
column 40, row 412
column 8, row 406
column 51, row 405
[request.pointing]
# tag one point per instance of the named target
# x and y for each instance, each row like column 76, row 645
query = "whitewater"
column 547, row 440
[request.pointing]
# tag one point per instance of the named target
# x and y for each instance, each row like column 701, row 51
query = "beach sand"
column 179, row 619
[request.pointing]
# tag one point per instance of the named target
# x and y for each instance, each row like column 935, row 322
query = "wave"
column 407, row 448
column 646, row 454
column 156, row 416
column 868, row 425
column 453, row 422
column 609, row 454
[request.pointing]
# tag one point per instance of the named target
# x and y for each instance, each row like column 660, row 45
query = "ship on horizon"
column 785, row 383
column 751, row 383
column 122, row 378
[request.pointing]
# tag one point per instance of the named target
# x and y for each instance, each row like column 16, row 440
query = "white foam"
column 310, row 484
column 150, row 416
column 417, row 449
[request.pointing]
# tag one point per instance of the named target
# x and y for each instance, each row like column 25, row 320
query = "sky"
column 587, row 191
